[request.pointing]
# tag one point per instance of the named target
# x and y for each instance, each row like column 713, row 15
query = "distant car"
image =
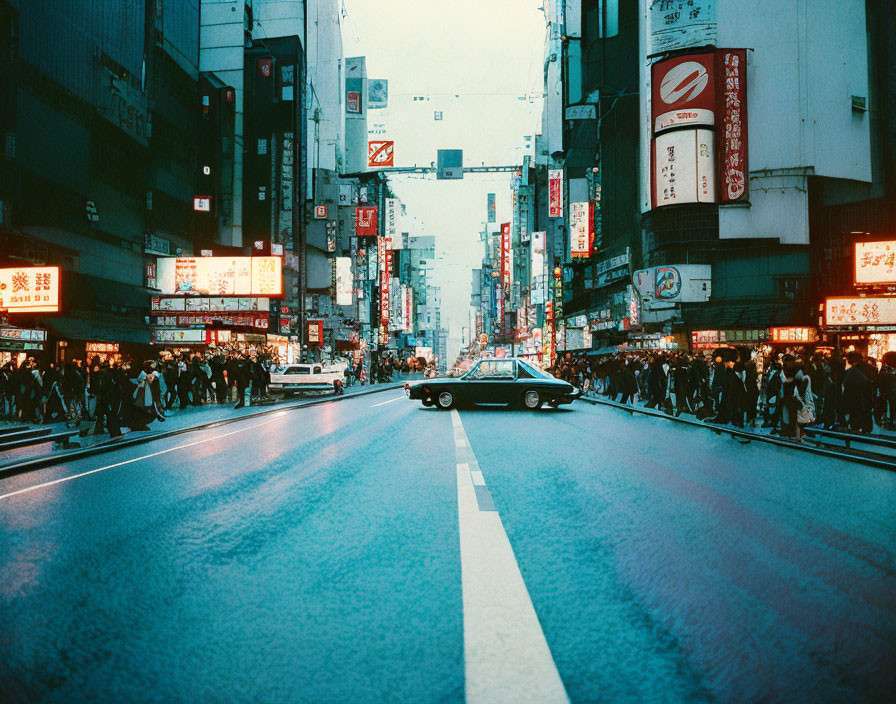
column 321, row 376
column 508, row 381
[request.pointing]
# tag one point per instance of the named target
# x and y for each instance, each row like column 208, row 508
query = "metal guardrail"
column 824, row 448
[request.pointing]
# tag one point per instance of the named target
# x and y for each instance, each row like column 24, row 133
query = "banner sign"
column 683, row 91
column 555, row 193
column 678, row 25
column 380, row 154
column 875, row 263
column 581, row 229
column 391, row 217
column 187, row 337
column 314, row 333
column 734, row 174
column 344, row 282
column 200, row 304
column 385, row 262
column 366, row 221
column 29, row 289
column 506, row 273
column 860, row 311
column 259, row 321
column 492, row 208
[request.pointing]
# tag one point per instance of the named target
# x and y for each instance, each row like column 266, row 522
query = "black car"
column 501, row 381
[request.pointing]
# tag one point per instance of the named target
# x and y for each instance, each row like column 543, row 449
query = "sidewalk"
column 176, row 420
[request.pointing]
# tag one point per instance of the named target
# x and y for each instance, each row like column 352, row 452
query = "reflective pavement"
column 315, row 555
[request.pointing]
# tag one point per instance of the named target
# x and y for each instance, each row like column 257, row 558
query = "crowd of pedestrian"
column 784, row 392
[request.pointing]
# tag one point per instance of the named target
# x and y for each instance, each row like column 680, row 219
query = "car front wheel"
column 428, row 402
column 446, row 400
column 532, row 400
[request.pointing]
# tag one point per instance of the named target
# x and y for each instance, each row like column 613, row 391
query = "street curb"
column 735, row 432
column 110, row 445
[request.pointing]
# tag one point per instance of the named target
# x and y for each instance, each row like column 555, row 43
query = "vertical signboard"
column 391, row 217
column 385, row 260
column 492, row 208
column 506, row 273
column 734, row 175
column 581, row 229
column 555, row 193
column 684, row 166
column 344, row 283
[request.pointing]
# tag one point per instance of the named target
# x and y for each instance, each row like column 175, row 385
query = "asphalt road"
column 373, row 550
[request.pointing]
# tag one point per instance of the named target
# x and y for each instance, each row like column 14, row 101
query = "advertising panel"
column 555, row 193
column 391, row 217
column 29, row 289
column 353, row 102
column 492, row 208
column 380, row 153
column 581, row 229
column 385, row 262
column 377, row 93
column 221, row 276
column 679, row 283
column 344, row 282
column 187, row 337
column 366, row 221
column 734, row 174
column 678, row 25
column 684, row 165
column 683, row 91
column 875, row 263
column 314, row 333
column 506, row 271
column 860, row 311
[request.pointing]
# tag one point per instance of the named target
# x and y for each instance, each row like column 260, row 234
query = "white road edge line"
column 506, row 656
column 391, row 400
column 135, row 459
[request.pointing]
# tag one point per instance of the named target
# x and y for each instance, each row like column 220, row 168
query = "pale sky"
column 480, row 62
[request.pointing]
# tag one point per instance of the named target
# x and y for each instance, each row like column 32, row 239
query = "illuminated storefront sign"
column 555, row 193
column 860, row 311
column 29, row 289
column 221, row 276
column 186, row 337
column 708, row 339
column 101, row 348
column 314, row 333
column 581, row 229
column 794, row 335
column 875, row 263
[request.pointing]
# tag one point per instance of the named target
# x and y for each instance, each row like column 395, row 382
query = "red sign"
column 320, row 211
column 683, row 91
column 380, row 154
column 505, row 256
column 366, row 221
column 385, row 265
column 202, row 204
column 314, row 335
column 353, row 101
column 555, row 193
column 734, row 175
column 263, row 67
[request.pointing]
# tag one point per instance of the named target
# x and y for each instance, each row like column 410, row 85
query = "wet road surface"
column 373, row 550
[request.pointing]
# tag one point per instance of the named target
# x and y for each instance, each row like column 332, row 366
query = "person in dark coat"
column 656, row 383
column 218, row 364
column 629, row 383
column 105, row 387
column 857, row 395
column 240, row 369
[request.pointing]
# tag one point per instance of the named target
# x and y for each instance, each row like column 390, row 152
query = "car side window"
column 317, row 370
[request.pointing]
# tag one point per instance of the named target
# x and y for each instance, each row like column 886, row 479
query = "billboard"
column 734, row 174
column 555, row 193
column 29, row 289
column 380, row 153
column 450, row 164
column 683, row 91
column 875, row 263
column 678, row 25
column 366, row 221
column 220, row 276
column 684, row 168
column 344, row 282
column 849, row 311
column 679, row 283
column 581, row 229
column 377, row 94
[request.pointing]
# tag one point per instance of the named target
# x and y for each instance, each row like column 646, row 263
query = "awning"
column 603, row 350
column 108, row 328
column 703, row 316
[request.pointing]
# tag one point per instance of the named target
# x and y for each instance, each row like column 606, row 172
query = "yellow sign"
column 29, row 289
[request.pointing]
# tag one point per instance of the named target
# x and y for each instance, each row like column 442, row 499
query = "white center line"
column 135, row 459
column 391, row 400
column 506, row 656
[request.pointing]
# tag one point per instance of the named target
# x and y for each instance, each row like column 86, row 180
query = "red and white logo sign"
column 555, row 193
column 366, row 221
column 263, row 67
column 734, row 174
column 353, row 102
column 320, row 212
column 380, row 154
column 683, row 91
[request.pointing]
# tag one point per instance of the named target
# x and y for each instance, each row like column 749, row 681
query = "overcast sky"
column 479, row 62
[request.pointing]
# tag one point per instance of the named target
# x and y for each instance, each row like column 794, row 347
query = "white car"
column 319, row 376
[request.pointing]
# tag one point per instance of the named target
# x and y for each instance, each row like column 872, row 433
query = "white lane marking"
column 135, row 459
column 391, row 400
column 506, row 656
column 478, row 479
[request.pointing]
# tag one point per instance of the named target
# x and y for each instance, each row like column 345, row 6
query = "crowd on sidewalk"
column 784, row 392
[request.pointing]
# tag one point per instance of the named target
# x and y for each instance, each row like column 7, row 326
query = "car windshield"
column 491, row 369
column 535, row 371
